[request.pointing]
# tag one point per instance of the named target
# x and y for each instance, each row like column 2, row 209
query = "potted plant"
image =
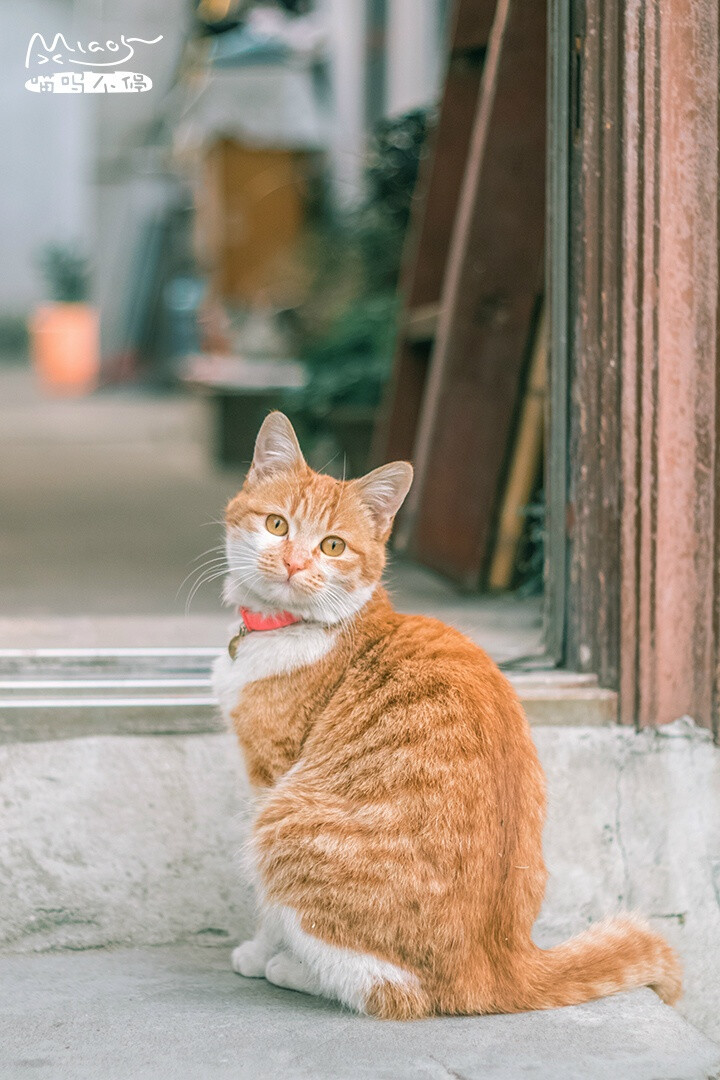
column 64, row 334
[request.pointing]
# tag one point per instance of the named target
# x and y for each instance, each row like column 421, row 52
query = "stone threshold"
column 62, row 693
column 179, row 1013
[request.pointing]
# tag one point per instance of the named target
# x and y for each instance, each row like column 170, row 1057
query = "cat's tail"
column 616, row 954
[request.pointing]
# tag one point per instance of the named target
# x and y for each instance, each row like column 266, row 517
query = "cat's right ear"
column 276, row 448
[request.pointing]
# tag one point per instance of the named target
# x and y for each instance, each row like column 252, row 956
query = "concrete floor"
column 106, row 505
column 179, row 1013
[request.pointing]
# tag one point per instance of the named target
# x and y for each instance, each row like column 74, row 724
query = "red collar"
column 255, row 621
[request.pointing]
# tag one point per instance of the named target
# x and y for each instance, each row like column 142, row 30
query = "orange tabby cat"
column 397, row 845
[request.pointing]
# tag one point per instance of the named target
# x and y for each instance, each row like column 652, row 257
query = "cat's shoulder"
column 424, row 651
column 422, row 634
column 267, row 655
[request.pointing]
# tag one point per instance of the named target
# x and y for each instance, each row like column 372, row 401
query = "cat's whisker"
column 198, row 585
column 212, row 563
column 215, row 560
column 210, row 551
column 188, row 579
column 205, row 578
column 250, row 577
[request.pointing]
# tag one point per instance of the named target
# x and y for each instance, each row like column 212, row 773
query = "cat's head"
column 303, row 542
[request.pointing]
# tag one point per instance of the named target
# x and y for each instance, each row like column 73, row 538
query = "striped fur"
column 398, row 841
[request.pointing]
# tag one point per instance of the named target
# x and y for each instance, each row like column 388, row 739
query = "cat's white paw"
column 285, row 970
column 249, row 959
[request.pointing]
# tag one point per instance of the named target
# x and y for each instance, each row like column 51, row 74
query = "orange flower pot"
column 65, row 347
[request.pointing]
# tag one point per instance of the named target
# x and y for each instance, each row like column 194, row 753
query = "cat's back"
column 423, row 688
column 431, row 660
column 419, row 757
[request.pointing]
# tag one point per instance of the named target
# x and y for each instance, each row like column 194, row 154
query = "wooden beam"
column 433, row 214
column 562, row 102
column 594, row 497
column 420, row 324
column 472, row 25
column 491, row 289
column 524, row 468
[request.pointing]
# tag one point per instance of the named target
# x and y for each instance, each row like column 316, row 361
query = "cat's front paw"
column 287, row 971
column 249, row 959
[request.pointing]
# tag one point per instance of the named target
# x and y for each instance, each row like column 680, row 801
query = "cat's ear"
column 276, row 447
column 383, row 491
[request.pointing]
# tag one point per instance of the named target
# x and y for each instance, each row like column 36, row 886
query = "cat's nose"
column 294, row 563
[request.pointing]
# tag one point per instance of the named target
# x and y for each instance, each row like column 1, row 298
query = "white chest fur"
column 268, row 652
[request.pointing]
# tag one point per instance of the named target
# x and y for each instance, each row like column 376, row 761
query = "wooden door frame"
column 585, row 222
column 586, row 368
column 633, row 509
column 558, row 306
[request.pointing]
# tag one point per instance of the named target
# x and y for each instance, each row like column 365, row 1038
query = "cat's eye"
column 276, row 524
column 332, row 545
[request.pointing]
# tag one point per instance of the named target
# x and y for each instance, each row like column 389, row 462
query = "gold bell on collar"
column 235, row 641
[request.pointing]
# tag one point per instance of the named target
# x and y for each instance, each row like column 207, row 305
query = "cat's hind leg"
column 359, row 980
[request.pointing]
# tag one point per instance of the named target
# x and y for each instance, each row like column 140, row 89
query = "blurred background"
column 277, row 223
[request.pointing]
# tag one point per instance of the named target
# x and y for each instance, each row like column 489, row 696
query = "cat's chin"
column 279, row 596
column 269, row 598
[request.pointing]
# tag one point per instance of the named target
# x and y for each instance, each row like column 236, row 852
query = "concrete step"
column 56, row 693
column 179, row 1013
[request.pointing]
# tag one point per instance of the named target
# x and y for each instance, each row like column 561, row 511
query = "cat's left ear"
column 383, row 491
column 276, row 447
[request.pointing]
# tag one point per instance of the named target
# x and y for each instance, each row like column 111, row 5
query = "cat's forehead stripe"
column 320, row 502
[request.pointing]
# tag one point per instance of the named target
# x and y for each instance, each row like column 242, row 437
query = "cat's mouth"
column 292, row 594
column 270, row 593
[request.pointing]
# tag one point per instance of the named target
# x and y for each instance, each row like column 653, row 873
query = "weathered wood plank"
column 473, row 23
column 433, row 215
column 594, row 488
column 490, row 295
column 524, row 468
column 557, row 289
